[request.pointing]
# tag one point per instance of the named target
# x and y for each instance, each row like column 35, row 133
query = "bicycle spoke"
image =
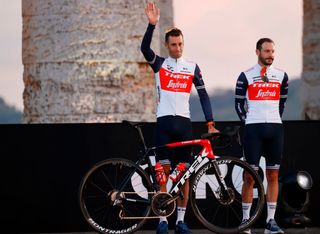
column 107, row 179
column 98, row 187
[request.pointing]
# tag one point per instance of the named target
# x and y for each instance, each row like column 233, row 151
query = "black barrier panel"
column 42, row 165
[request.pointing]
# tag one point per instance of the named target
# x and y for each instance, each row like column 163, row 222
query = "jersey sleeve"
column 283, row 93
column 203, row 95
column 154, row 60
column 240, row 96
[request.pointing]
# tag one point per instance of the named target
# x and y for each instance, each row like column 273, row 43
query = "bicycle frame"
column 205, row 153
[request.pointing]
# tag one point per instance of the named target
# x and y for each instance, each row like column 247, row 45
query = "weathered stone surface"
column 82, row 60
column 311, row 59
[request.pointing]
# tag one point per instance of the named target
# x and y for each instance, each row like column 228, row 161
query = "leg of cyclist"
column 173, row 129
column 183, row 156
column 162, row 137
column 273, row 152
column 252, row 151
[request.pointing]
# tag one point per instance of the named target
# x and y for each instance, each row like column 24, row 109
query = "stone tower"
column 82, row 60
column 311, row 59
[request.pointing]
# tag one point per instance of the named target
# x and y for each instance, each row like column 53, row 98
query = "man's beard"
column 264, row 61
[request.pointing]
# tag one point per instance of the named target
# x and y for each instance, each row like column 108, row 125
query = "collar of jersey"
column 175, row 60
column 258, row 66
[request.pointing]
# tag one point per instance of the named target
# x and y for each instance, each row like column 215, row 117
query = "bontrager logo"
column 105, row 230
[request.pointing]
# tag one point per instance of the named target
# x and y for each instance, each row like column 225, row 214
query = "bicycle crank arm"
column 170, row 200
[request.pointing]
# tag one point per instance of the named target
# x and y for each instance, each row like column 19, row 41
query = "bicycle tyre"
column 97, row 190
column 215, row 215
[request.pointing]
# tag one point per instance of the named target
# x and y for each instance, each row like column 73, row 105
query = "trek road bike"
column 118, row 195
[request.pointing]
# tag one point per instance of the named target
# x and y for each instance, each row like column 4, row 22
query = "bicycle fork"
column 224, row 195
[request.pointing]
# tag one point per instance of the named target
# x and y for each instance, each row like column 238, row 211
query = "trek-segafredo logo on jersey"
column 177, row 75
column 264, row 91
column 175, row 82
column 265, row 85
column 263, row 94
column 177, row 85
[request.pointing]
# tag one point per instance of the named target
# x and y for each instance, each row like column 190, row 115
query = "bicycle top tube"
column 205, row 143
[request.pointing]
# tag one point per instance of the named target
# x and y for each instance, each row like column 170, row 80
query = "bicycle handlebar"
column 222, row 140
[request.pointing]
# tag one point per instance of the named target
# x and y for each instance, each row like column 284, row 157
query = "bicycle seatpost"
column 137, row 125
column 141, row 137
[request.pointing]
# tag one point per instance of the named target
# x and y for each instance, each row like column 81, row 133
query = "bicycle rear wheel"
column 105, row 207
column 218, row 212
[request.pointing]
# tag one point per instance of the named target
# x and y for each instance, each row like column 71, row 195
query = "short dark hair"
column 173, row 32
column 261, row 41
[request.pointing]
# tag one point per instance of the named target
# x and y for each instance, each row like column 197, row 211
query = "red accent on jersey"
column 264, row 91
column 175, row 82
column 263, row 71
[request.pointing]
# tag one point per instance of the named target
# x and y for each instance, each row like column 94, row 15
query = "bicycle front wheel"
column 218, row 210
column 115, row 196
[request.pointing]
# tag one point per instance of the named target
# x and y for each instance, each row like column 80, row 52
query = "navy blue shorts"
column 263, row 139
column 171, row 129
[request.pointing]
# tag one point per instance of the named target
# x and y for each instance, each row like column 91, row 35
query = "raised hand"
column 152, row 12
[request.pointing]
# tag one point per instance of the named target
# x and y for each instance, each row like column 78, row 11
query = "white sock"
column 181, row 211
column 163, row 218
column 271, row 208
column 246, row 207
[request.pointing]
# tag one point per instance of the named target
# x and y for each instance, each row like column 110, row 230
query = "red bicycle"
column 118, row 196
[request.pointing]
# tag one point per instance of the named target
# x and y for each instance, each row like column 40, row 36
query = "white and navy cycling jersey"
column 174, row 79
column 258, row 100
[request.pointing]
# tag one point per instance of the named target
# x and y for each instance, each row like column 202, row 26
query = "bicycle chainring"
column 159, row 205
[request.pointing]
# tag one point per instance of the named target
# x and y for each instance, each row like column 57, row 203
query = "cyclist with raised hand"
column 174, row 77
column 260, row 96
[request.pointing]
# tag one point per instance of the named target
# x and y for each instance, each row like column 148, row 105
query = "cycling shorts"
column 263, row 139
column 171, row 129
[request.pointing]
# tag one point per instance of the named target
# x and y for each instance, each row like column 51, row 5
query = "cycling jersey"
column 265, row 100
column 174, row 78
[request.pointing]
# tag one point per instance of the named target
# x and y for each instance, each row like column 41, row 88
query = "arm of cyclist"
column 153, row 14
column 204, row 100
column 240, row 96
column 283, row 93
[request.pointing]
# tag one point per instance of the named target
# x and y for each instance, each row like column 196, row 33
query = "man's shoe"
column 182, row 228
column 246, row 231
column 162, row 228
column 272, row 227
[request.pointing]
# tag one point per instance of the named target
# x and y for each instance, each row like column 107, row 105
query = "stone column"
column 82, row 61
column 166, row 22
column 311, row 59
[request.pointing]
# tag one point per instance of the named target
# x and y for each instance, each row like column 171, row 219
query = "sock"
column 271, row 207
column 181, row 211
column 246, row 207
column 163, row 218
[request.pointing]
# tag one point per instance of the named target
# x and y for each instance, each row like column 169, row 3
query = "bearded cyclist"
column 260, row 95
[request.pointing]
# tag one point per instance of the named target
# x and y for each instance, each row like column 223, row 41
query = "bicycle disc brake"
column 159, row 205
column 225, row 197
